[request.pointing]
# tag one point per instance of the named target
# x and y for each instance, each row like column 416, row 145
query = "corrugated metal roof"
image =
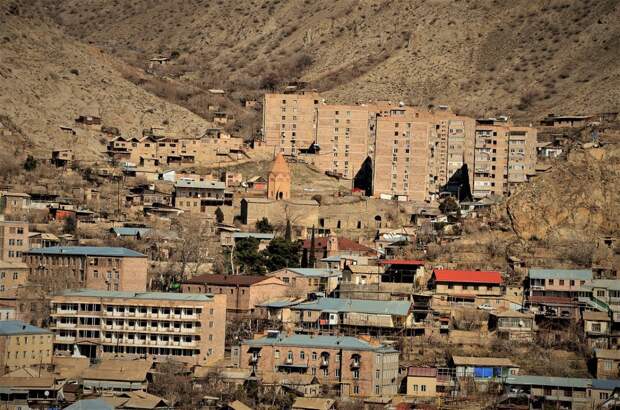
column 87, row 251
column 187, row 183
column 549, row 381
column 466, row 276
column 126, row 231
column 483, row 361
column 378, row 307
column 195, row 297
column 17, row 327
column 575, row 274
column 322, row 341
column 316, row 272
column 603, row 384
column 610, row 284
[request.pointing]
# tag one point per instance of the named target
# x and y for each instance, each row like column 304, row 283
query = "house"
column 402, row 270
column 14, row 202
column 553, row 292
column 313, row 403
column 428, row 382
column 326, row 246
column 464, row 286
column 116, row 375
column 349, row 366
column 23, row 345
column 278, row 310
column 256, row 183
column 243, row 292
column 483, row 369
column 362, row 274
column 355, row 316
column 42, row 240
column 230, row 238
column 92, row 267
column 13, row 240
column 596, row 328
column 31, row 389
column 512, row 325
column 548, row 150
column 12, row 275
column 550, row 392
column 569, row 121
column 130, row 233
column 309, row 280
column 198, row 197
column 157, row 325
column 607, row 363
column 62, row 157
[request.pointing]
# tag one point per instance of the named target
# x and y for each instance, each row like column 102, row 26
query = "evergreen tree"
column 288, row 233
column 312, row 257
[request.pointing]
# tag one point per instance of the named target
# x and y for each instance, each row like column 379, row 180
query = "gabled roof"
column 315, row 272
column 119, row 370
column 575, row 274
column 186, row 183
column 549, row 381
column 87, row 251
column 127, row 231
column 280, row 166
column 422, row 371
column 377, row 307
column 91, row 404
column 227, row 280
column 313, row 403
column 465, row 276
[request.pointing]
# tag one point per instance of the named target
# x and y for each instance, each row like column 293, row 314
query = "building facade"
column 352, row 367
column 103, row 324
column 13, row 240
column 91, row 267
column 23, row 345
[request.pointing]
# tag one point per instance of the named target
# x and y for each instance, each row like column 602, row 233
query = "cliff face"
column 577, row 199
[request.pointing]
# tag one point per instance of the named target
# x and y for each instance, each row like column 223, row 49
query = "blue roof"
column 549, row 381
column 577, row 274
column 602, row 384
column 379, row 307
column 280, row 303
column 17, row 327
column 257, row 235
column 197, row 297
column 87, row 251
column 315, row 272
column 125, row 231
column 321, row 341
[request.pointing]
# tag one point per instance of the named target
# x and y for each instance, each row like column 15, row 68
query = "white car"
column 486, row 307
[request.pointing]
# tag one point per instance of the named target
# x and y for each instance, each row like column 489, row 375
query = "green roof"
column 318, row 342
column 576, row 274
column 549, row 381
column 378, row 307
column 194, row 297
column 17, row 327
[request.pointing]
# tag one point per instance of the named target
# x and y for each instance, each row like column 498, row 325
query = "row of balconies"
column 134, row 342
column 103, row 326
column 195, row 316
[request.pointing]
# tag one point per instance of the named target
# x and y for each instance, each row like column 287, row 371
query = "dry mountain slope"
column 481, row 56
column 47, row 79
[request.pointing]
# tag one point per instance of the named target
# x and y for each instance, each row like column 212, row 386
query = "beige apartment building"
column 184, row 327
column 289, row 121
column 23, row 345
column 91, row 267
column 342, row 137
column 13, row 240
column 504, row 156
column 402, row 164
column 12, row 275
column 201, row 197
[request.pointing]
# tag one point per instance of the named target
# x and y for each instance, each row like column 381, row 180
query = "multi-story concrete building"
column 185, row 327
column 103, row 268
column 504, row 156
column 289, row 121
column 243, row 292
column 200, row 197
column 351, row 366
column 342, row 137
column 402, row 162
column 23, row 345
column 13, row 240
column 12, row 275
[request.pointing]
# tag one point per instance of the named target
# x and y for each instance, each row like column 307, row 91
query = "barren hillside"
column 481, row 56
column 47, row 79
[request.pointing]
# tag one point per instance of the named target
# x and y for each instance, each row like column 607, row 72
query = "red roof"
column 422, row 371
column 467, row 276
column 401, row 262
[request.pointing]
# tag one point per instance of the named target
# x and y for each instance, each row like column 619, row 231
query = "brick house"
column 465, row 286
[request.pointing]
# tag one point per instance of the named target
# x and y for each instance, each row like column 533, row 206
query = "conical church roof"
column 280, row 166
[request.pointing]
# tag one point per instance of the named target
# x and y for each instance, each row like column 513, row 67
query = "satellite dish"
column 46, row 393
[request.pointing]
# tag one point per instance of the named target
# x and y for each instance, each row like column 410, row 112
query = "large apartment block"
column 504, row 156
column 185, row 327
column 102, row 268
column 416, row 153
column 13, row 240
column 351, row 366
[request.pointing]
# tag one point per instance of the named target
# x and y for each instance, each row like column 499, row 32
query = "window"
column 377, row 374
column 572, row 282
column 607, row 364
column 289, row 356
column 276, row 355
column 313, row 371
column 561, row 282
column 325, row 371
column 356, row 389
column 415, row 387
column 596, row 327
column 15, row 275
column 356, row 374
column 302, row 355
column 314, row 356
column 550, row 281
column 337, row 373
column 422, row 387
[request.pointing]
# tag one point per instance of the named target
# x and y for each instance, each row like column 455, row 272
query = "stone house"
column 309, row 280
